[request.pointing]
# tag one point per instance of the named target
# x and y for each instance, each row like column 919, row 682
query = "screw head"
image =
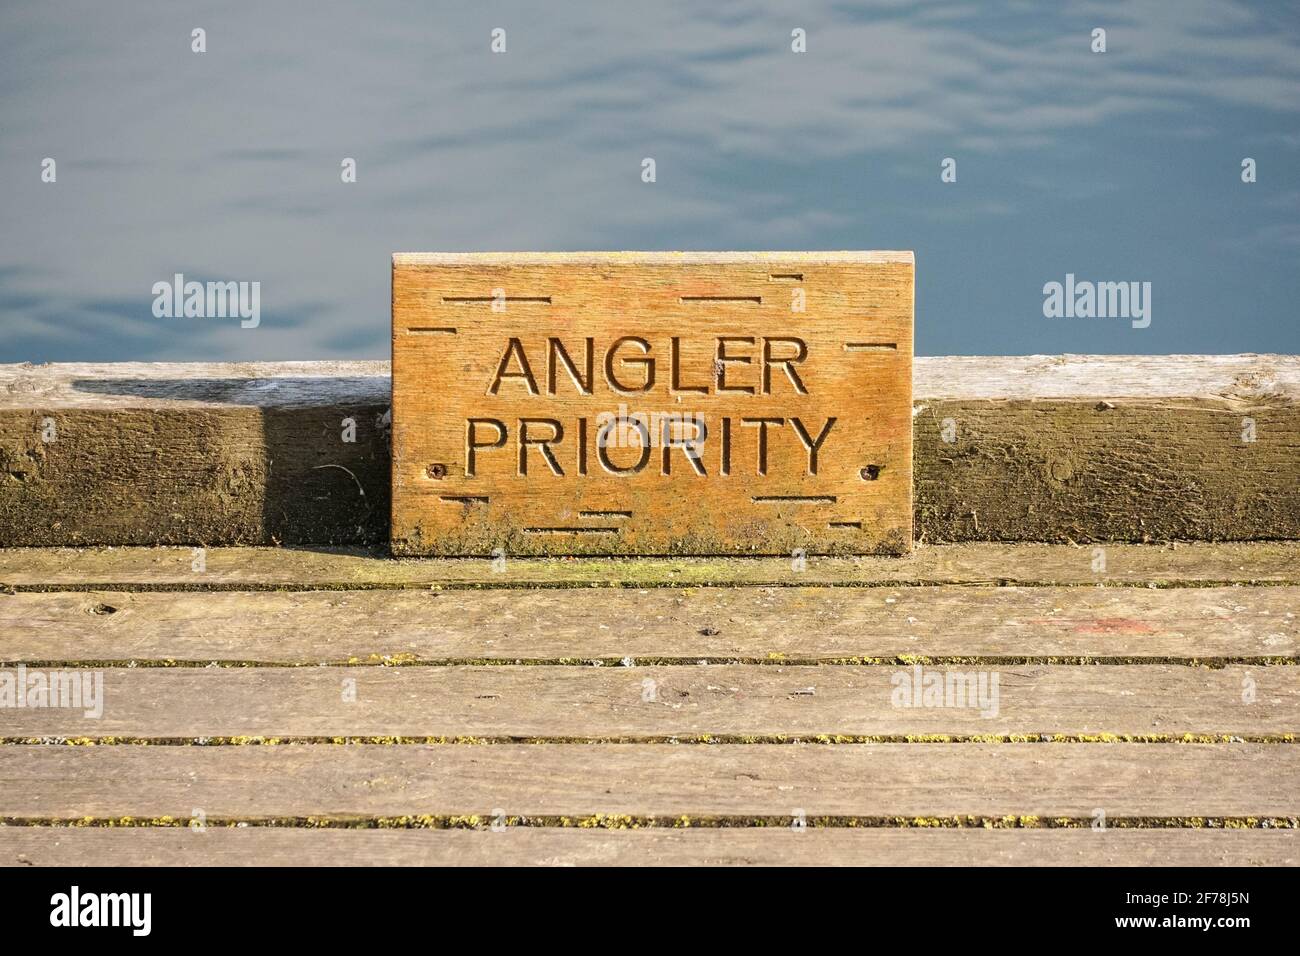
column 436, row 470
column 870, row 472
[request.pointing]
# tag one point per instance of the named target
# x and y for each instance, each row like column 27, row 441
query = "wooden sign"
column 652, row 403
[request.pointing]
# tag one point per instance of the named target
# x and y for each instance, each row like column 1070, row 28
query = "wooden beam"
column 535, row 846
column 1196, row 564
column 654, row 624
column 718, row 703
column 739, row 783
column 1067, row 448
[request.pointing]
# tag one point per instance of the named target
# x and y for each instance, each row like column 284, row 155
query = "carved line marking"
column 466, row 299
column 604, row 514
column 854, row 525
column 753, row 299
column 572, row 530
column 870, row 346
column 464, row 499
column 431, row 330
column 786, row 277
column 794, row 499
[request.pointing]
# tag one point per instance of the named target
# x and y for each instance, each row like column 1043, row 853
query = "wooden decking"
column 336, row 706
column 292, row 698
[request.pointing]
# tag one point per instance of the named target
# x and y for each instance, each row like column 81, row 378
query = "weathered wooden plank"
column 1085, row 448
column 726, row 701
column 664, row 624
column 530, row 392
column 1077, row 448
column 193, row 453
column 538, row 846
column 665, row 781
column 1190, row 564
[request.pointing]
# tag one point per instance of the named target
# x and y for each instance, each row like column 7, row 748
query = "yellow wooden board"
column 652, row 403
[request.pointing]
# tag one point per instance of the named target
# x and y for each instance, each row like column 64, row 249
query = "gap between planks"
column 631, row 822
column 710, row 739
